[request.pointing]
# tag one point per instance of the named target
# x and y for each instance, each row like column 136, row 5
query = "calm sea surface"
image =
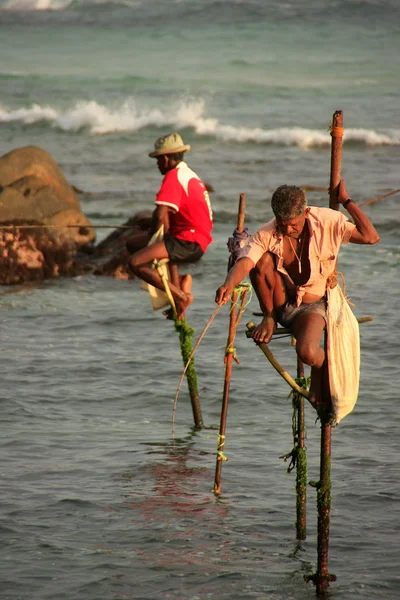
column 98, row 502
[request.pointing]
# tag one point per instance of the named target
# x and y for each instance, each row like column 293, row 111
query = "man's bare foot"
column 264, row 331
column 319, row 394
column 314, row 399
column 320, row 398
column 186, row 286
column 315, row 391
column 182, row 305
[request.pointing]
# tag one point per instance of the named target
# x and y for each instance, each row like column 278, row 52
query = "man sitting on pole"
column 290, row 260
column 183, row 208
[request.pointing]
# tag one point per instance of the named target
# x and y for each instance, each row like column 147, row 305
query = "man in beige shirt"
column 290, row 260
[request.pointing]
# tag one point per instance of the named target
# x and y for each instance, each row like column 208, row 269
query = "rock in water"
column 34, row 191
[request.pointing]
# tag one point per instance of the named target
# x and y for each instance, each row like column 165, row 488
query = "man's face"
column 162, row 164
column 292, row 227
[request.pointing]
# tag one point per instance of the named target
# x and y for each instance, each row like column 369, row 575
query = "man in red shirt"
column 183, row 208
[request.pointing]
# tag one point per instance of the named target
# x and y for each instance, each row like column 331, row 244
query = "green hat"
column 169, row 144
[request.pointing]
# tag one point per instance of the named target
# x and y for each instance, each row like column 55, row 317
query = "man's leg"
column 307, row 328
column 271, row 294
column 137, row 241
column 183, row 282
column 140, row 265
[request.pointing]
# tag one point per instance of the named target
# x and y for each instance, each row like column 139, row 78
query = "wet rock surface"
column 43, row 231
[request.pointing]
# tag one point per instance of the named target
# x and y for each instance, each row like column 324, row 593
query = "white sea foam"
column 34, row 5
column 102, row 120
column 38, row 5
column 28, row 116
column 99, row 119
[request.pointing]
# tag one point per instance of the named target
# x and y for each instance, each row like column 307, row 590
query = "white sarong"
column 343, row 353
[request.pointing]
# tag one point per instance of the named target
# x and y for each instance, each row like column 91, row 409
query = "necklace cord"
column 295, row 253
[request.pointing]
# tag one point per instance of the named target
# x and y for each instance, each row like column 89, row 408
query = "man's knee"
column 307, row 354
column 311, row 354
column 134, row 264
column 264, row 267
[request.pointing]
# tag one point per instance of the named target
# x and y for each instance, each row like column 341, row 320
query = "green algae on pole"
column 322, row 577
column 185, row 338
column 299, row 434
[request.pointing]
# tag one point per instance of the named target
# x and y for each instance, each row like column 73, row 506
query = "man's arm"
column 234, row 277
column 160, row 217
column 365, row 232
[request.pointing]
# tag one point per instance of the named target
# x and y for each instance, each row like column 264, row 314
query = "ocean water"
column 98, row 501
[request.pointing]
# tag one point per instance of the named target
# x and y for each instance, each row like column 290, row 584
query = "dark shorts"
column 180, row 251
column 290, row 311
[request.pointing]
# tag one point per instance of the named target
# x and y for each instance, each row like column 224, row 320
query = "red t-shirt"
column 186, row 194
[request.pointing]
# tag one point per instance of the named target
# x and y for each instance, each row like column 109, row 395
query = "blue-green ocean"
column 98, row 502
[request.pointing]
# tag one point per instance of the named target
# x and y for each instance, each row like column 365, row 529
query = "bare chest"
column 296, row 261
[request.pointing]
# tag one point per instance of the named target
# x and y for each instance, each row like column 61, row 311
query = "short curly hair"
column 288, row 201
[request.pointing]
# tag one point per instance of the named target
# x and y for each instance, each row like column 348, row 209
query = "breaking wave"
column 99, row 119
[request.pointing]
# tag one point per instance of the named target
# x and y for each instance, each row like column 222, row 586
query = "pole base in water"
column 321, row 582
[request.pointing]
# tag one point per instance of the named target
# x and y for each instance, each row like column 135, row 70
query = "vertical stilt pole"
column 185, row 338
column 229, row 355
column 337, row 131
column 322, row 578
column 225, row 397
column 324, row 487
column 301, row 464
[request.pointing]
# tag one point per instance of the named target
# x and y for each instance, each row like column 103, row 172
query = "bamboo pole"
column 277, row 366
column 229, row 355
column 82, row 225
column 373, row 200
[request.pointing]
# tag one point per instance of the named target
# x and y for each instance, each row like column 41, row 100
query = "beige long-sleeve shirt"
column 328, row 230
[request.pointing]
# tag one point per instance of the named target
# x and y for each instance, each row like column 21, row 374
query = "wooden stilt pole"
column 324, row 508
column 185, row 338
column 337, row 131
column 322, row 578
column 298, row 454
column 229, row 355
column 301, row 463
